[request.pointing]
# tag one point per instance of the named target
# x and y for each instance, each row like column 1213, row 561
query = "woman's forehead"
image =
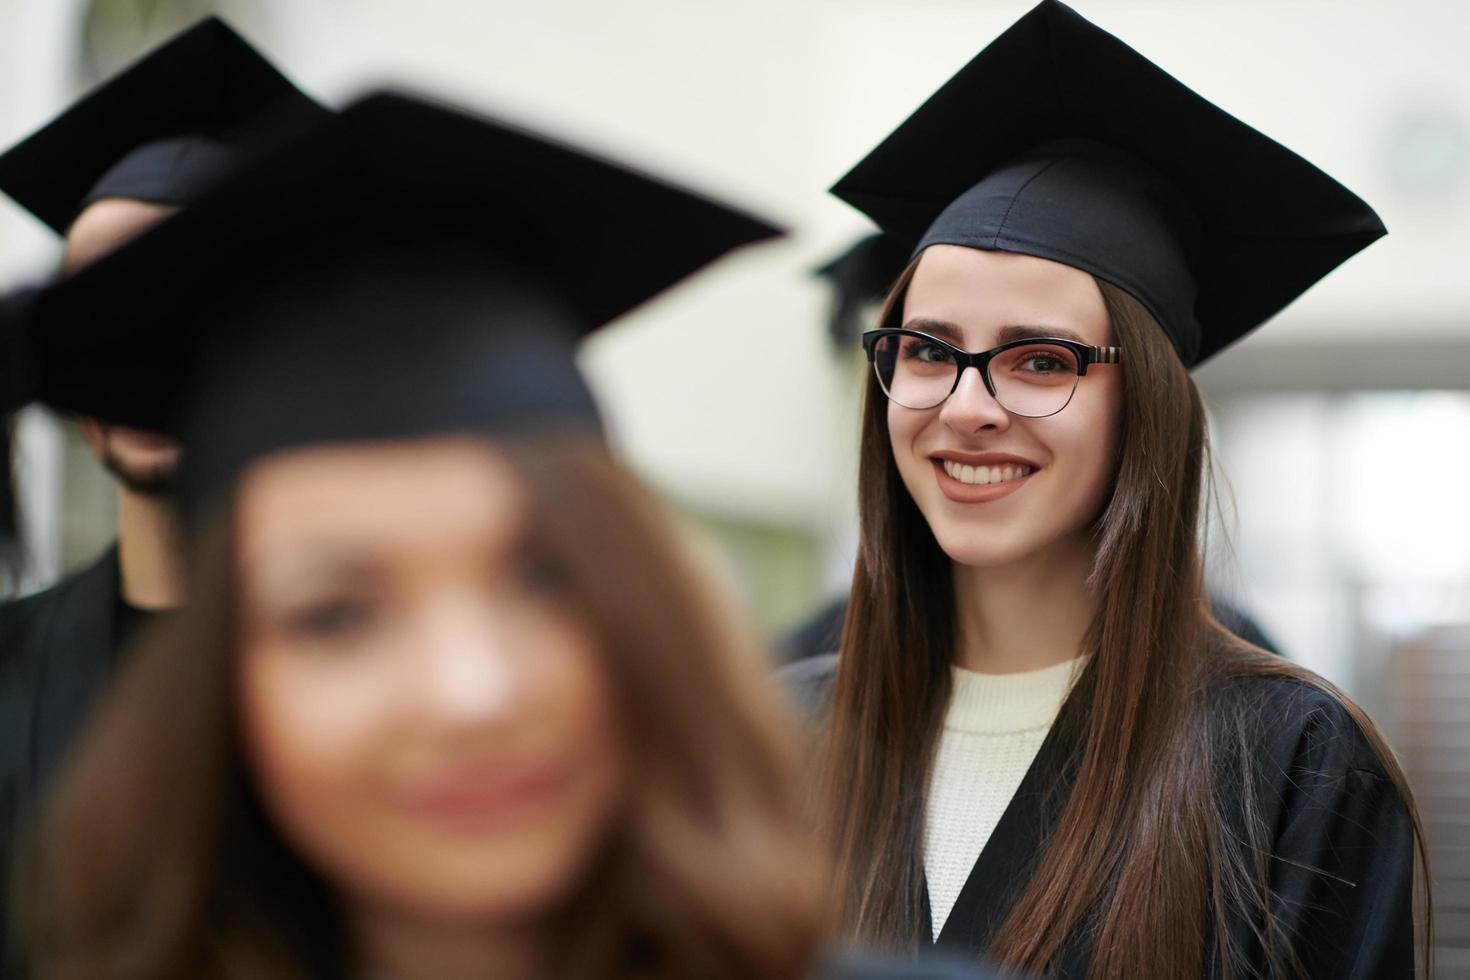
column 979, row 293
column 381, row 497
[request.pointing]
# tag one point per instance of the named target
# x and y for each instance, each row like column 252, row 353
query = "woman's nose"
column 467, row 669
column 971, row 407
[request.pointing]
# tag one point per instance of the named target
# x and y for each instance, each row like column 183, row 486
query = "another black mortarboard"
column 860, row 276
column 1060, row 141
column 165, row 130
column 405, row 269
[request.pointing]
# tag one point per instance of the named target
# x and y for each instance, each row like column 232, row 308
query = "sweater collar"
column 1002, row 704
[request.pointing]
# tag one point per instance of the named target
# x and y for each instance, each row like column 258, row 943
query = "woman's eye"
column 1045, row 361
column 332, row 620
column 922, row 350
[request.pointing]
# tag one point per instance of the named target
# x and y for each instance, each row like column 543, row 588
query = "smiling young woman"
column 1038, row 746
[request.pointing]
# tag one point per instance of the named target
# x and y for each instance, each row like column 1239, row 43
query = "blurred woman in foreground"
column 440, row 708
column 446, row 700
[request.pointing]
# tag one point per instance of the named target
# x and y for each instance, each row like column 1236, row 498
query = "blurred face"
column 427, row 721
column 145, row 462
column 997, row 488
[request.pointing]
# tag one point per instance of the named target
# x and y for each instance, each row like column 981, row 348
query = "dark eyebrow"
column 1024, row 332
column 942, row 329
column 945, row 330
column 316, row 564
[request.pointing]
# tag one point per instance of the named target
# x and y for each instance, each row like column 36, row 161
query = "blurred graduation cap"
column 165, row 130
column 860, row 276
column 404, row 269
column 1060, row 141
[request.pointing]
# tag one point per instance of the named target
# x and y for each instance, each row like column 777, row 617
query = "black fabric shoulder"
column 1299, row 777
column 808, row 684
column 29, row 617
column 23, row 618
column 1291, row 718
column 56, row 653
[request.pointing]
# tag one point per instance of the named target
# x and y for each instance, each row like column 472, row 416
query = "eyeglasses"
column 1031, row 378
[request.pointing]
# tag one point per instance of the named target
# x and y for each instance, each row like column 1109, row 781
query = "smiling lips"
column 985, row 474
column 484, row 799
column 979, row 481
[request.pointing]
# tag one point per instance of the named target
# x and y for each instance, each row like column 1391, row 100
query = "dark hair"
column 1124, row 858
column 157, row 859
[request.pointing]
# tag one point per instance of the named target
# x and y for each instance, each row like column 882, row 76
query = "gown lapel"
column 1009, row 857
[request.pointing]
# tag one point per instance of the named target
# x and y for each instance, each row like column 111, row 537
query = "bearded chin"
column 149, row 479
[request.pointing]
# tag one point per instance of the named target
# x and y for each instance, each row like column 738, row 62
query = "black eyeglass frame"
column 1086, row 355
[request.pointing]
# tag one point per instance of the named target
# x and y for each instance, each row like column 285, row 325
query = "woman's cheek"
column 312, row 729
column 1096, row 441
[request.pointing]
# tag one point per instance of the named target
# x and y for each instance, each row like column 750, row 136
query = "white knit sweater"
column 994, row 726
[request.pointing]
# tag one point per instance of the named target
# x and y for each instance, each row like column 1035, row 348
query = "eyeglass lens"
column 1033, row 380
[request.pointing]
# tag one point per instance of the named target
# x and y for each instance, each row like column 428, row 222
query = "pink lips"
column 971, row 493
column 487, row 798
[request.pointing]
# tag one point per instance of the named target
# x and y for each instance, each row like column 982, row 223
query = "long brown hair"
column 157, row 859
column 1138, row 857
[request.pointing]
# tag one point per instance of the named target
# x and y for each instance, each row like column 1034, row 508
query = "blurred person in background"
column 120, row 160
column 1039, row 744
column 447, row 700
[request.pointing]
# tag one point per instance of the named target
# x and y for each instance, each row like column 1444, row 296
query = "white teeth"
column 980, row 475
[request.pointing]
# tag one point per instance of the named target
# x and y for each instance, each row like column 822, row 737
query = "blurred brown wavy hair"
column 157, row 860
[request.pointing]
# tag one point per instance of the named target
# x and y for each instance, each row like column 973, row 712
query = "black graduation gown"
column 57, row 651
column 1341, row 871
column 856, row 966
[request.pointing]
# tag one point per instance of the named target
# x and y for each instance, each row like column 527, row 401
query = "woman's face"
column 427, row 721
column 1060, row 468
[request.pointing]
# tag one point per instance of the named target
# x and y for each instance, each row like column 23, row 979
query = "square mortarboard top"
column 1060, row 141
column 403, row 269
column 164, row 130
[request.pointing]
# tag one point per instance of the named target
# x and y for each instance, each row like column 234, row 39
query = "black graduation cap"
column 1060, row 141
column 404, row 269
column 165, row 130
column 862, row 274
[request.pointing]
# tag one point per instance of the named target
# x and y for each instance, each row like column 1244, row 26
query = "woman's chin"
column 963, row 550
column 140, row 456
column 991, row 547
column 475, row 891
